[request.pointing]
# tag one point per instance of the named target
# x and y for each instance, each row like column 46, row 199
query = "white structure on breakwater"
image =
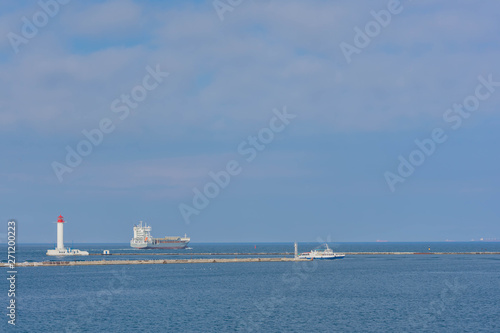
column 60, row 250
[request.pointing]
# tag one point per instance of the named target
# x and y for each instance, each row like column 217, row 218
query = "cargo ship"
column 143, row 240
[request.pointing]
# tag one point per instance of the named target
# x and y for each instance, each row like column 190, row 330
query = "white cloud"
column 100, row 20
column 227, row 76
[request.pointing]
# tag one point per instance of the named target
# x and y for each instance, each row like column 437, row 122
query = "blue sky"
column 322, row 176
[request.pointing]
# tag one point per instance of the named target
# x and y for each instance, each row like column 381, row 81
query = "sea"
column 360, row 293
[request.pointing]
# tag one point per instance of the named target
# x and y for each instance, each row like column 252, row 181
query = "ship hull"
column 328, row 258
column 321, row 258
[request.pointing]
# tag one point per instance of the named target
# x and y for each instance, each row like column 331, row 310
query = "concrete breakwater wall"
column 411, row 253
column 195, row 254
column 146, row 262
column 82, row 262
column 277, row 253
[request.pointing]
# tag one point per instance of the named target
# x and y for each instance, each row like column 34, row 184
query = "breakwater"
column 146, row 262
column 187, row 254
column 418, row 253
column 82, row 262
column 196, row 254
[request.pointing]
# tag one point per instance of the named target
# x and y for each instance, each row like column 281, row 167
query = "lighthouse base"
column 66, row 252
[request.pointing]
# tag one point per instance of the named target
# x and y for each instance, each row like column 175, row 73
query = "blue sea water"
column 361, row 293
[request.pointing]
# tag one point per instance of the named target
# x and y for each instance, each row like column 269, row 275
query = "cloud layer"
column 225, row 78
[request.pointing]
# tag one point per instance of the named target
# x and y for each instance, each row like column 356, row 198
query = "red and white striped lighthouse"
column 60, row 233
column 60, row 250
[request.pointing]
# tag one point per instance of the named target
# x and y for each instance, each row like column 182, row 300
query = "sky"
column 250, row 121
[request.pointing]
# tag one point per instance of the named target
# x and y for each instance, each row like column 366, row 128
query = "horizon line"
column 287, row 242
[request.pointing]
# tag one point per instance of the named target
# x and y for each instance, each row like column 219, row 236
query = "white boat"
column 323, row 252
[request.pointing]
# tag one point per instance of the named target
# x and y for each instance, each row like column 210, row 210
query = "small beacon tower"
column 60, row 250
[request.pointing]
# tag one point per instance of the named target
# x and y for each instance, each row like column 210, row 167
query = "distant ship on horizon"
column 143, row 240
column 482, row 239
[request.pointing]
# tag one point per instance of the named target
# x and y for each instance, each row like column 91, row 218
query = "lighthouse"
column 60, row 233
column 60, row 250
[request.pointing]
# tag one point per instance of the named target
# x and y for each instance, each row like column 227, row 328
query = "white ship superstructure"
column 60, row 250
